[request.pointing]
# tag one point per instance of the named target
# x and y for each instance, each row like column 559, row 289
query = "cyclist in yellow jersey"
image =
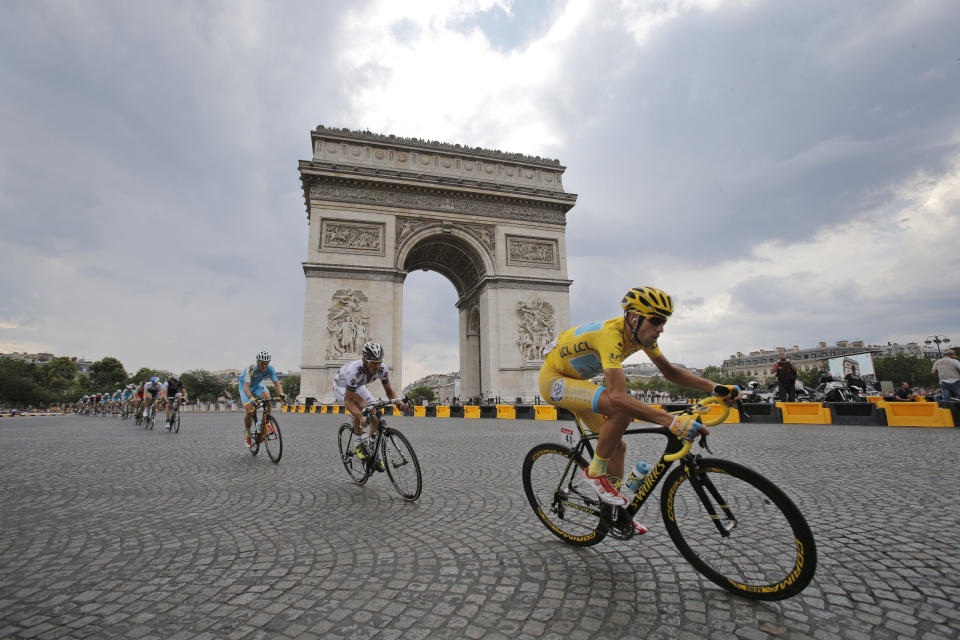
column 583, row 352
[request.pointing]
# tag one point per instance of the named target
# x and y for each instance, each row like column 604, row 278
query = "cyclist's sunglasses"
column 656, row 321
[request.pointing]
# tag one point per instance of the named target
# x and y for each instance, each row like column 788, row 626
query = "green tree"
column 18, row 383
column 906, row 368
column 809, row 378
column 63, row 368
column 204, row 385
column 107, row 374
column 291, row 387
column 417, row 394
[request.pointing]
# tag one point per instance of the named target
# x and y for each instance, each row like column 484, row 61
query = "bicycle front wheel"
column 739, row 530
column 272, row 441
column 559, row 495
column 355, row 467
column 176, row 422
column 402, row 465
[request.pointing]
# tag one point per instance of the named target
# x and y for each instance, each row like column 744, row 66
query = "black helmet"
column 372, row 351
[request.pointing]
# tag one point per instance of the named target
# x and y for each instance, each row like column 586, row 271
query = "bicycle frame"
column 657, row 471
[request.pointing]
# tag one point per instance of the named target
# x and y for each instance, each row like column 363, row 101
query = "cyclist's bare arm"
column 616, row 400
column 393, row 396
column 687, row 379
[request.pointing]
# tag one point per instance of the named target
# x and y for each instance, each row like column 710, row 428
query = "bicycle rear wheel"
column 402, row 465
column 559, row 495
column 766, row 550
column 272, row 441
column 355, row 467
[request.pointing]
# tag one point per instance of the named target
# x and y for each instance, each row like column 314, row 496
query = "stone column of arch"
column 492, row 223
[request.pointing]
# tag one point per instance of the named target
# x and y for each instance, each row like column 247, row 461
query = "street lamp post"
column 937, row 340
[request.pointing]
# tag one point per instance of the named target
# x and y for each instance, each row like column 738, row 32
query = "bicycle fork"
column 700, row 480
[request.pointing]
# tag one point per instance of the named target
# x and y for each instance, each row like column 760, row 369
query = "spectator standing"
column 948, row 369
column 786, row 375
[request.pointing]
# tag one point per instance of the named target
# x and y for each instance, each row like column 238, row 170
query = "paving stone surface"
column 109, row 531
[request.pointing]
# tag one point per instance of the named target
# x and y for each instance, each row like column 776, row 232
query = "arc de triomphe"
column 492, row 223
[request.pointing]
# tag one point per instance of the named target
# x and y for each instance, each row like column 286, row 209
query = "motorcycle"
column 836, row 391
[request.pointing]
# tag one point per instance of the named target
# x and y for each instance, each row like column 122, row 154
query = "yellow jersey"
column 585, row 351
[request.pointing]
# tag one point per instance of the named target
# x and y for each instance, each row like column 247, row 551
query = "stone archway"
column 492, row 223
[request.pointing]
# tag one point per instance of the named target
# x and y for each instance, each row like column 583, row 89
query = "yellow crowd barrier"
column 419, row 412
column 471, row 411
column 507, row 411
column 804, row 413
column 545, row 412
column 443, row 412
column 916, row 414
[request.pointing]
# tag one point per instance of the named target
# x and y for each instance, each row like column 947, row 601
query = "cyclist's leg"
column 366, row 398
column 610, row 444
column 264, row 395
column 580, row 397
column 248, row 407
column 163, row 396
column 354, row 406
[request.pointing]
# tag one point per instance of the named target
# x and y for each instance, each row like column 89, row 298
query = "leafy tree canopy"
column 204, row 385
column 421, row 393
column 291, row 387
column 107, row 374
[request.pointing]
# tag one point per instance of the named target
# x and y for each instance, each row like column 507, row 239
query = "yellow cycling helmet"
column 647, row 301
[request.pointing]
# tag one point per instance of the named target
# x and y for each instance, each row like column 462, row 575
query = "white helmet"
column 263, row 356
column 372, row 351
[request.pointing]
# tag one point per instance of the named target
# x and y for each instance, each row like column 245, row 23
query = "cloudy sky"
column 789, row 171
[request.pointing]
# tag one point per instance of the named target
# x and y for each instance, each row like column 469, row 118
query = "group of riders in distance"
column 133, row 400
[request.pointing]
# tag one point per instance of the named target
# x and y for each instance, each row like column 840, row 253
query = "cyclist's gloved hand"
column 727, row 392
column 685, row 426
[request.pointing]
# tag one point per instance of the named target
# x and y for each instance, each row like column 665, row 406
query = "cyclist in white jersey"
column 350, row 388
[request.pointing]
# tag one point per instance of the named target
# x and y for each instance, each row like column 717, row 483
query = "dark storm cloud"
column 157, row 143
column 747, row 123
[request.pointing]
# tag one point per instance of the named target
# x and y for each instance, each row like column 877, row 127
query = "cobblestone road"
column 109, row 531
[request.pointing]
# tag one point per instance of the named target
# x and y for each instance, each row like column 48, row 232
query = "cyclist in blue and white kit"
column 117, row 397
column 251, row 387
column 127, row 397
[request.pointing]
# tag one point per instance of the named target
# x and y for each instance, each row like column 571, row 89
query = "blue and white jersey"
column 255, row 377
column 127, row 394
column 117, row 396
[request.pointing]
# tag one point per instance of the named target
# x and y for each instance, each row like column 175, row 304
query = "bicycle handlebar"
column 700, row 408
column 259, row 402
column 374, row 406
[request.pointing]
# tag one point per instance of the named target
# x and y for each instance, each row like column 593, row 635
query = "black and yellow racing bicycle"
column 733, row 525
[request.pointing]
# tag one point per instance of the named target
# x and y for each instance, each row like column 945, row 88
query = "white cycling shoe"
column 605, row 490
